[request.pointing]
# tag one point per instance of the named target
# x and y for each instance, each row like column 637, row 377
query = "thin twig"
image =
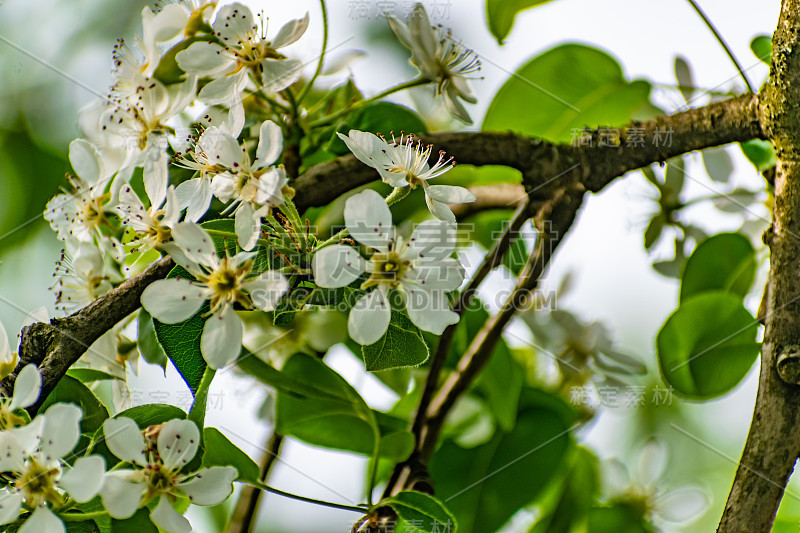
column 243, row 518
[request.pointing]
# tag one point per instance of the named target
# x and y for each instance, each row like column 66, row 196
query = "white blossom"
column 27, row 387
column 244, row 50
column 404, row 163
column 152, row 226
column 31, row 460
column 80, row 212
column 439, row 58
column 81, row 276
column 251, row 188
column 157, row 457
column 221, row 281
column 420, row 269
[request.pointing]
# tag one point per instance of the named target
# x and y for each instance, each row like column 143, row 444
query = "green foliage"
column 70, row 390
column 149, row 348
column 615, row 518
column 401, row 346
column 140, row 523
column 89, row 375
column 570, row 87
column 168, row 72
column 760, row 153
column 421, row 513
column 508, row 472
column 707, row 345
column 762, row 48
column 219, row 451
column 500, row 15
column 725, row 262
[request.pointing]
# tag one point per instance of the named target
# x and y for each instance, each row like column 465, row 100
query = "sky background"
column 614, row 282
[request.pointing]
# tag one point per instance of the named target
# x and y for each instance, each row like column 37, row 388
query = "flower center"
column 226, row 285
column 38, row 483
column 387, row 268
column 92, row 214
column 8, row 419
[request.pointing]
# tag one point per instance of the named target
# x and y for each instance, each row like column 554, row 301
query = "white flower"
column 251, row 188
column 81, row 276
column 153, row 226
column 158, row 457
column 439, row 58
column 31, row 460
column 27, row 387
column 80, row 212
column 8, row 359
column 420, row 269
column 646, row 491
column 244, row 51
column 404, row 163
column 221, row 281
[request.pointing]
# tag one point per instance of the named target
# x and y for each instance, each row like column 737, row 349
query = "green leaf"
column 501, row 383
column 683, row 73
column 280, row 380
column 422, row 513
column 168, row 71
column 724, row 262
column 380, row 117
column 488, row 226
column 149, row 348
column 718, row 164
column 485, row 485
column 401, row 346
column 70, row 390
column 760, row 153
column 343, row 422
column 90, row 375
column 570, row 87
column 762, row 48
column 181, row 341
column 197, row 414
column 616, row 518
column 707, row 346
column 500, row 15
column 222, row 452
column 654, row 230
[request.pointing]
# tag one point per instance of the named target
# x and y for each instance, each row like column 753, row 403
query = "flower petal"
column 430, row 310
column 166, row 24
column 211, row 486
column 204, row 59
column 449, row 194
column 278, row 74
column 26, row 388
column 683, row 505
column 43, row 520
column 10, row 506
column 195, row 196
column 431, row 240
column 86, row 161
column 443, row 275
column 156, row 173
column 177, row 443
column 454, row 105
column 247, row 224
column 172, row 300
column 422, row 34
column 267, row 289
column 125, row 440
column 168, row 519
column 270, row 143
column 219, row 147
column 221, row 340
column 225, row 89
column 84, row 480
column 121, row 496
column 400, row 30
column 440, row 210
column 196, row 243
column 290, row 32
column 369, row 318
column 367, row 148
column 368, row 219
column 61, row 430
column 337, row 266
column 233, row 22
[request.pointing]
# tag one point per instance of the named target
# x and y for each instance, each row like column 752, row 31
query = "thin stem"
column 722, row 43
column 321, row 61
column 262, row 486
column 333, row 239
column 244, row 515
column 398, row 194
column 361, row 103
column 81, row 517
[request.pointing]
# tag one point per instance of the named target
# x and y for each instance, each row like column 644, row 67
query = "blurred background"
column 55, row 57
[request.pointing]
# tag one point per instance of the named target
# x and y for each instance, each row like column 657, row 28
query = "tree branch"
column 773, row 443
column 54, row 347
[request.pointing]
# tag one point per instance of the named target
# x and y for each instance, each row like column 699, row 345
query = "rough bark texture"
column 773, row 443
column 54, row 347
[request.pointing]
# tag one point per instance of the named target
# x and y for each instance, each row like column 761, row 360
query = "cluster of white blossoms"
column 141, row 189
